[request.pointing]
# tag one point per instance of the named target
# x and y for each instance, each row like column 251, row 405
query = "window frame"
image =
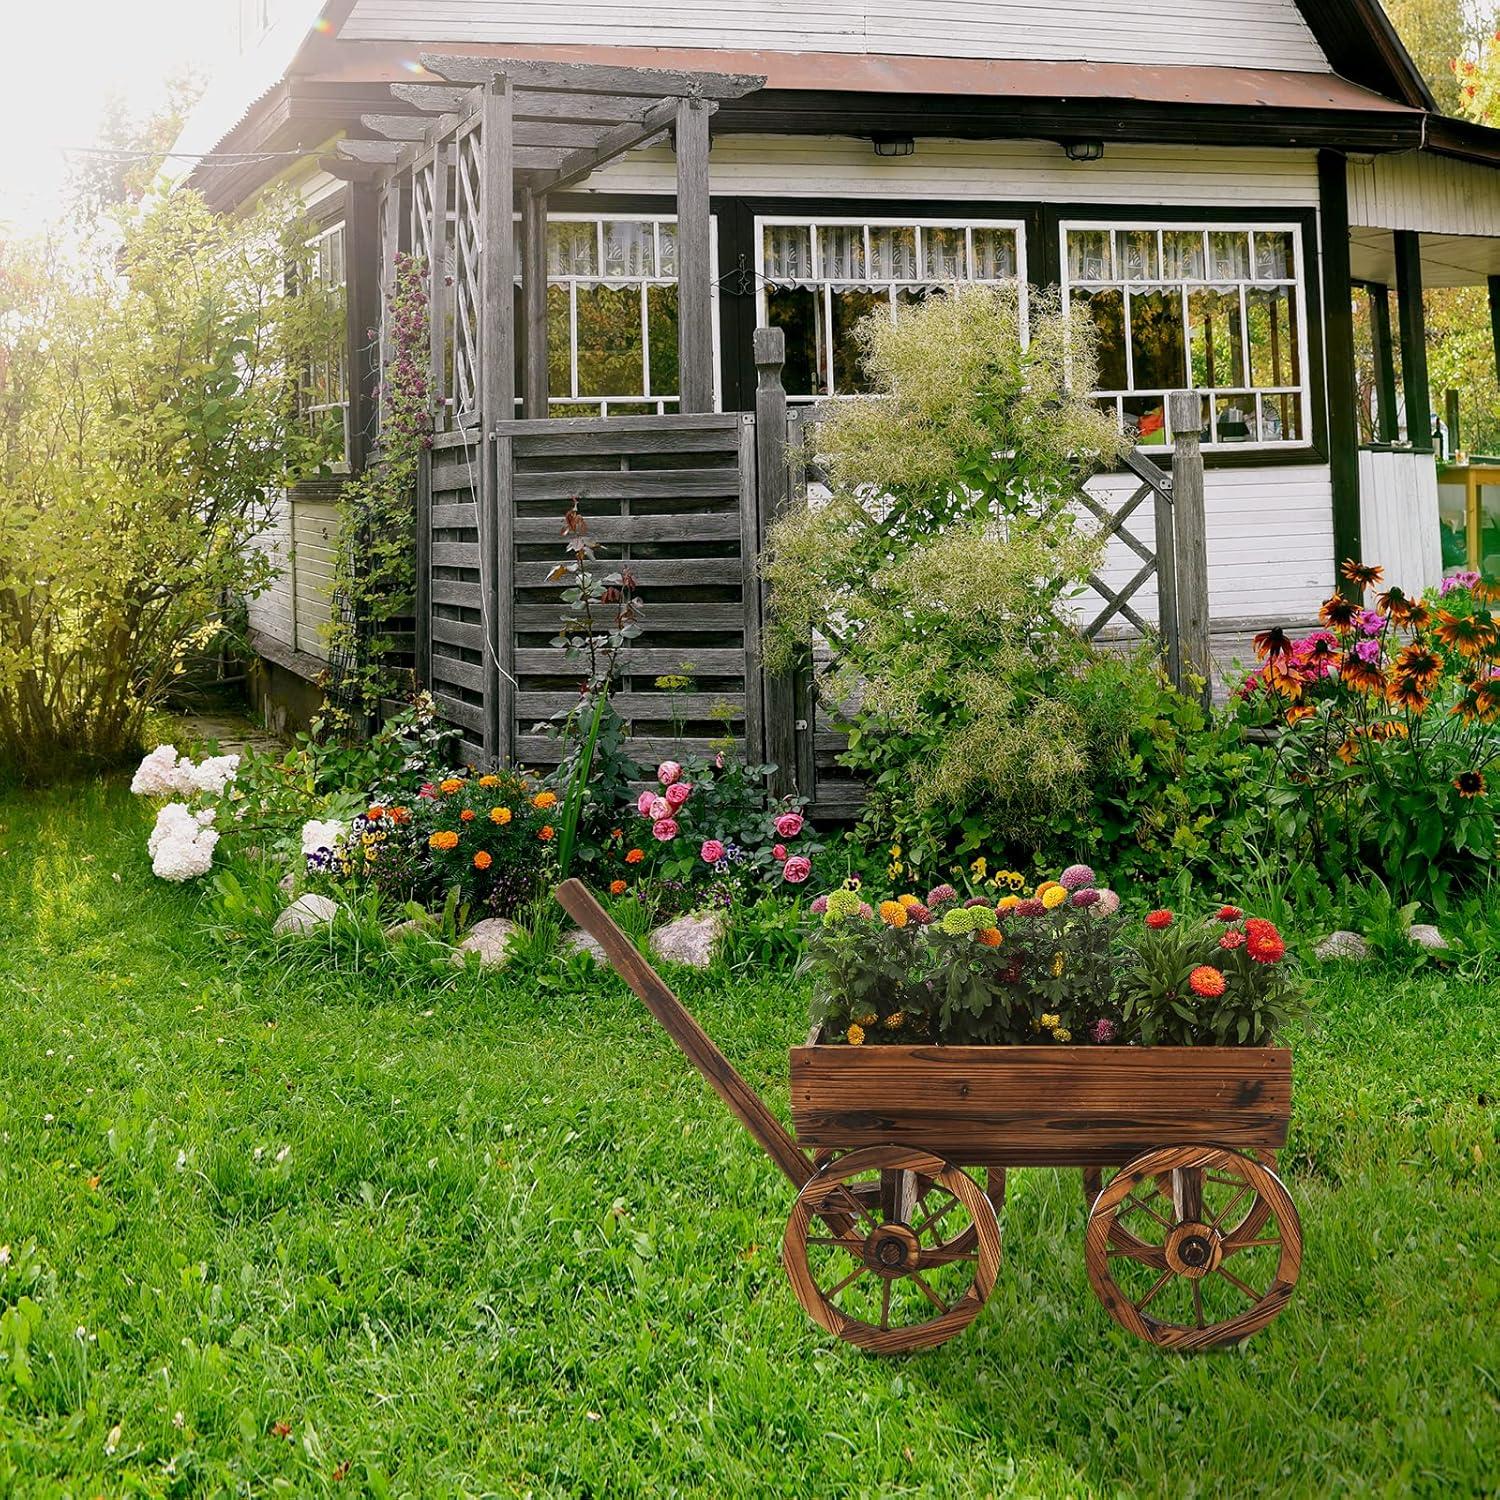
column 1207, row 224
column 811, row 219
column 337, row 220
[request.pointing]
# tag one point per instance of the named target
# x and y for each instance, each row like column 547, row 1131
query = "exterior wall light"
column 1083, row 150
column 893, row 145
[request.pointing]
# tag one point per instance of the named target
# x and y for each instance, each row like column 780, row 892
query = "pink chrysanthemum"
column 1030, row 907
column 1088, row 896
column 941, row 893
column 1076, row 877
column 1103, row 1031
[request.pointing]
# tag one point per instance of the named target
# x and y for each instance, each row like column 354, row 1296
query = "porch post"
column 497, row 386
column 1495, row 320
column 1338, row 321
column 534, row 302
column 1389, row 428
column 1413, row 338
column 695, row 339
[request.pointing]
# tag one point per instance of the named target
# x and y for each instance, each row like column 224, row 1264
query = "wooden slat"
column 716, row 619
column 455, row 554
column 755, row 734
column 538, row 750
column 606, row 429
column 651, row 572
column 592, row 78
column 570, row 436
column 639, row 660
column 455, row 711
column 685, row 526
column 614, row 143
column 635, row 484
column 651, row 706
column 1042, row 1106
column 462, row 674
column 457, row 593
column 450, row 517
column 458, row 633
column 694, row 285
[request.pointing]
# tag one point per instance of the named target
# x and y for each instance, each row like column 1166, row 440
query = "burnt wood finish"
column 891, row 1236
column 677, row 1021
column 1041, row 1106
column 1250, row 1269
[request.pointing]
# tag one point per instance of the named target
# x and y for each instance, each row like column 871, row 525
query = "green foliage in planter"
column 146, row 422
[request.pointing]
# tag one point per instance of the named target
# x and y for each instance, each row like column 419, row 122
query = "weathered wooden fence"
column 684, row 502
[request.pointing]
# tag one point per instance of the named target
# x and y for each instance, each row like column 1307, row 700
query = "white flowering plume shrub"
column 182, row 843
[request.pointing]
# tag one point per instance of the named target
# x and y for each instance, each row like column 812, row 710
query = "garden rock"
column 288, row 882
column 578, row 941
column 491, row 939
column 409, row 927
column 689, row 940
column 307, row 913
column 1425, row 935
column 1342, row 945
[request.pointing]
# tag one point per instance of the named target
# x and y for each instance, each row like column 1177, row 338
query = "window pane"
column 629, row 249
column 661, row 330
column 788, row 252
column 841, row 251
column 1183, row 253
column 944, row 255
column 1280, row 419
column 1156, row 344
column 1138, row 251
column 666, row 239
column 994, row 254
column 1273, row 336
column 1217, row 339
column 1088, row 255
column 794, row 311
column 1236, row 418
column 559, row 343
column 609, row 341
column 1229, row 254
column 1273, row 255
column 893, row 254
column 572, row 250
column 1107, row 309
column 1146, row 420
column 848, row 308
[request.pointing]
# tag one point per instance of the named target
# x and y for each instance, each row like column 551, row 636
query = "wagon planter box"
column 900, row 1154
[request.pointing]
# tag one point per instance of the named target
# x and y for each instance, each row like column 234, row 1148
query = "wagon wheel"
column 878, row 1263
column 1120, row 1237
column 1206, row 1284
column 963, row 1238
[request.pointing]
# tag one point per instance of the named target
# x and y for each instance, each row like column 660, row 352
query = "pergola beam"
column 613, row 143
column 434, row 98
column 592, row 78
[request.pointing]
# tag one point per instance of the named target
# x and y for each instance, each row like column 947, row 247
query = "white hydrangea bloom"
column 160, row 774
column 215, row 773
column 321, row 835
column 181, row 844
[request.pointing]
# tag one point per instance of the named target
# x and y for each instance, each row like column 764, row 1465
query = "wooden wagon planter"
column 893, row 1242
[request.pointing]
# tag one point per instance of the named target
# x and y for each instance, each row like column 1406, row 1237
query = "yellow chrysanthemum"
column 500, row 815
column 1054, row 897
column 856, row 1035
column 1044, row 887
column 1051, row 1022
column 1062, row 1034
column 908, row 901
column 895, row 1022
column 1007, row 903
column 893, row 914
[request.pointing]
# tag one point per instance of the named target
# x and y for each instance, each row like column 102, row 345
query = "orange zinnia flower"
column 617, row 887
column 635, row 857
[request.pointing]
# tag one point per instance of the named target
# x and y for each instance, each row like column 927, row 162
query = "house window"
column 325, row 388
column 819, row 277
column 1216, row 308
column 612, row 315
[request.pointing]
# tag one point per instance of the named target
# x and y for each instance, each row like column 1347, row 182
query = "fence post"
column 1191, row 537
column 771, row 491
column 422, row 594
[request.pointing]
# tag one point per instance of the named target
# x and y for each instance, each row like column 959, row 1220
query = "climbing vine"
column 374, row 575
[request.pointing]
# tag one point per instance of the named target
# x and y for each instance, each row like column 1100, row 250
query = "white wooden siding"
column 1398, row 518
column 1221, row 33
column 983, row 171
column 1270, row 544
column 315, row 526
column 270, row 611
column 1421, row 191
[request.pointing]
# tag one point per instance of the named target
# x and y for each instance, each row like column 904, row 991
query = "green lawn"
column 267, row 1220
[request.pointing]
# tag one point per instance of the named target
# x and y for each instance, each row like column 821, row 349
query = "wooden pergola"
column 517, row 132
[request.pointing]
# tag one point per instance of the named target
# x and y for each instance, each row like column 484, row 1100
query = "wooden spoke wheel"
column 1120, row 1234
column 883, row 1263
column 1211, row 1250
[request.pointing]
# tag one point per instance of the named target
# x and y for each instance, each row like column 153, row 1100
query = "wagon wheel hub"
column 1194, row 1249
column 892, row 1250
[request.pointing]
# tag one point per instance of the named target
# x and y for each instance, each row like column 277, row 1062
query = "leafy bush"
column 1383, row 728
column 146, row 419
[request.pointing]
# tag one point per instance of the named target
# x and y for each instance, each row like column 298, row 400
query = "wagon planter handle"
column 625, row 959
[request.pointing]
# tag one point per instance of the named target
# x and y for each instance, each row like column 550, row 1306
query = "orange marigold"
column 500, row 815
column 444, row 838
column 617, row 887
column 467, row 815
column 635, row 857
column 489, row 781
column 482, row 860
column 893, row 914
column 546, row 833
column 544, row 800
column 375, row 814
column 989, row 937
column 450, row 784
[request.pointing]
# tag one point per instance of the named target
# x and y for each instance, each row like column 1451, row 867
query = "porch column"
column 534, row 303
column 1413, row 338
column 695, row 338
column 1338, row 320
column 1495, row 320
column 1388, row 429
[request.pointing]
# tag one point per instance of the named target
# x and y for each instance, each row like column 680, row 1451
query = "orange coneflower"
column 1418, row 664
column 1469, row 784
column 1406, row 692
column 1395, row 604
column 1348, row 752
column 1364, row 574
column 1418, row 617
column 1338, row 612
column 1471, row 635
column 1272, row 643
column 1299, row 712
column 1362, row 676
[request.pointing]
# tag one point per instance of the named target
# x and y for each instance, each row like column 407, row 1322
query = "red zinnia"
column 1207, row 981
column 1159, row 918
column 1229, row 914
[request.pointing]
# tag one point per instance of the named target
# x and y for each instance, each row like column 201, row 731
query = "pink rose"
column 678, row 793
column 789, row 825
column 711, row 852
column 779, row 853
column 664, row 830
column 643, row 803
column 660, row 808
column 668, row 772
column 796, row 869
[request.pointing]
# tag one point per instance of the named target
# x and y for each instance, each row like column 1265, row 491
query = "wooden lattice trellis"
column 468, row 236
